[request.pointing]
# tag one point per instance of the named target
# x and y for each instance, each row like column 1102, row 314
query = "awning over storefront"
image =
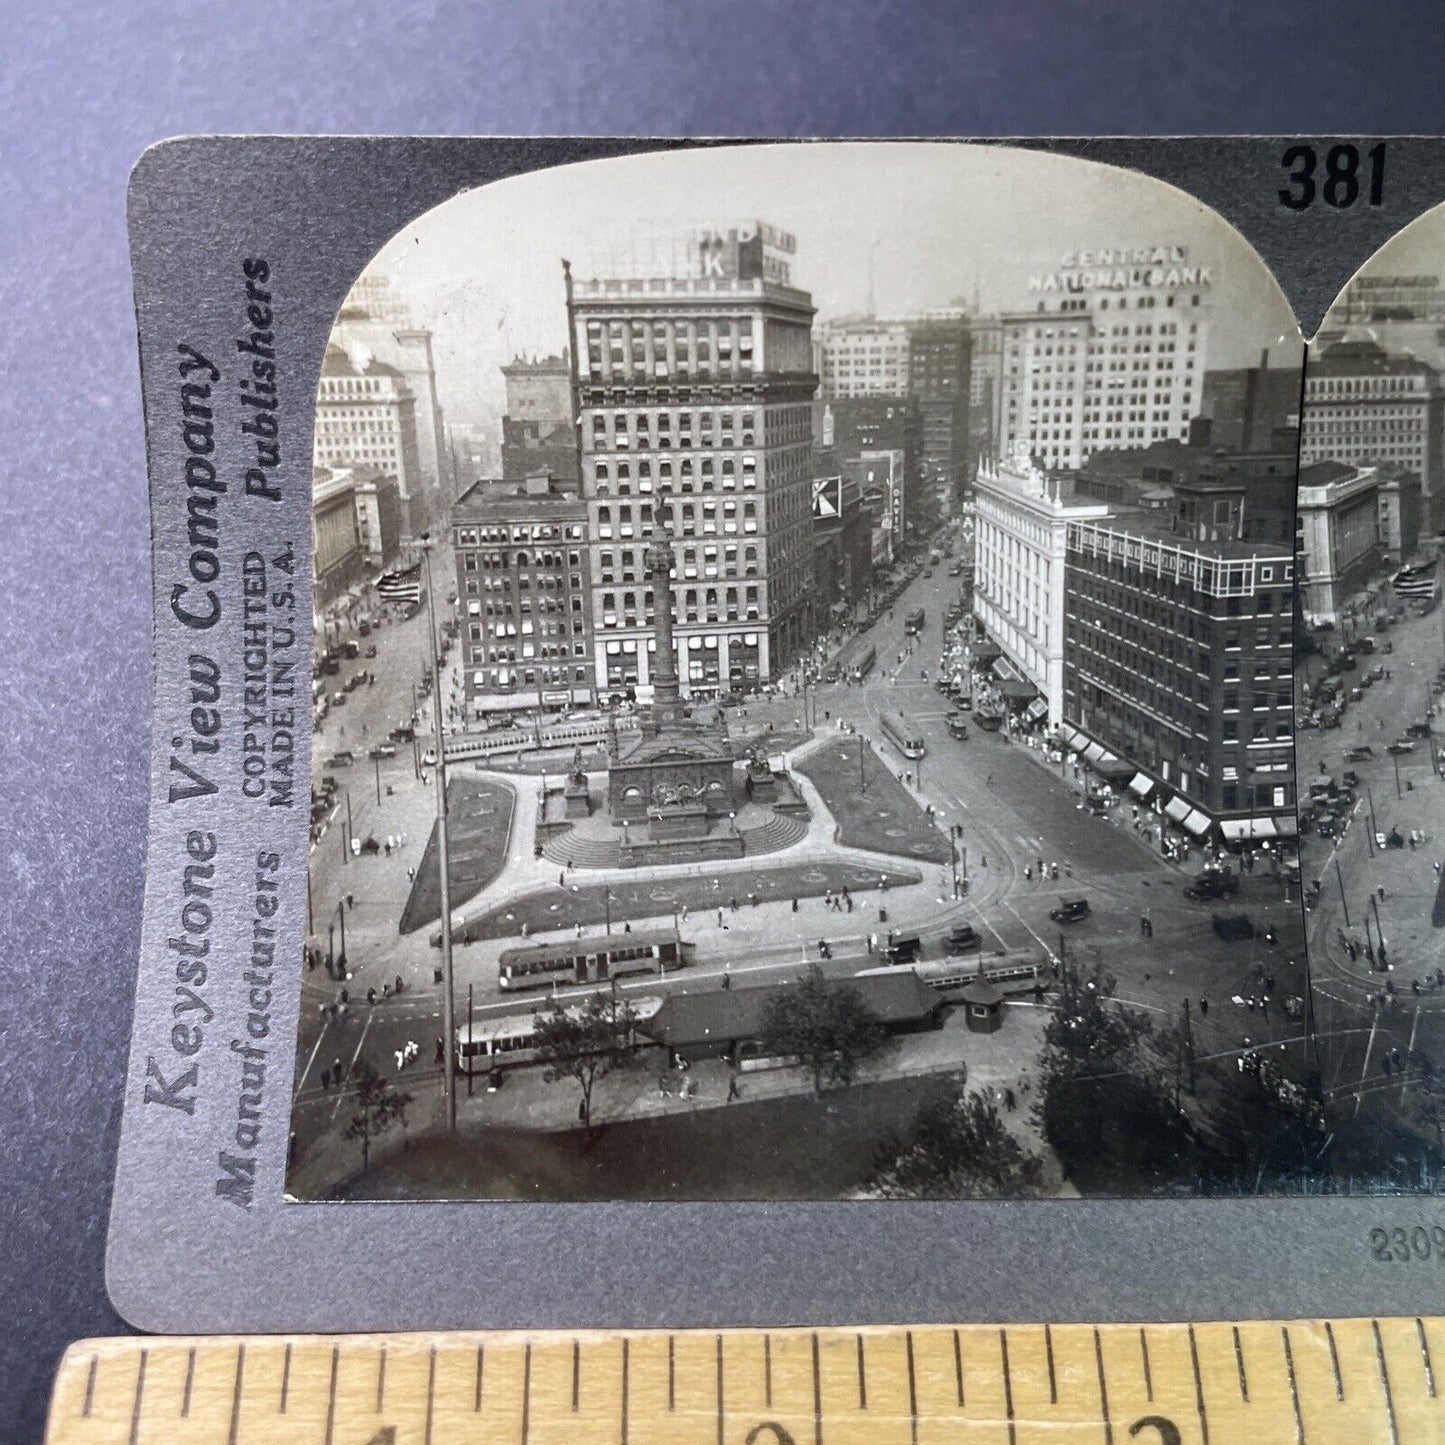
column 1142, row 785
column 1018, row 690
column 1003, row 668
column 986, row 651
column 1115, row 769
column 1237, row 828
column 1286, row 825
column 1038, row 709
column 1198, row 823
column 1093, row 752
column 1079, row 742
column 1177, row 808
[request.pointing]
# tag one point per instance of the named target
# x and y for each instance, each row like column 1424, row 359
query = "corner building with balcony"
column 1178, row 659
column 694, row 394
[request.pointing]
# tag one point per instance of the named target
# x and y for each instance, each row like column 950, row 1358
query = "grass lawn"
column 553, row 908
column 479, row 822
column 879, row 813
column 798, row 1147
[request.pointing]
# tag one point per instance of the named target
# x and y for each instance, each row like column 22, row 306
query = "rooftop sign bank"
column 1124, row 268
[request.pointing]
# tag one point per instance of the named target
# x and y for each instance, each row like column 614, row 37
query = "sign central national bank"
column 1122, row 269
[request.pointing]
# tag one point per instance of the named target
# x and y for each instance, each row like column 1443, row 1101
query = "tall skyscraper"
column 939, row 356
column 1111, row 356
column 374, row 326
column 694, row 380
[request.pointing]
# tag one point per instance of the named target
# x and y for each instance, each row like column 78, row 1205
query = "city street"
column 1368, row 891
column 1015, row 810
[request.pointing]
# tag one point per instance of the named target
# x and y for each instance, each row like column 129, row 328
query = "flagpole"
column 449, row 1045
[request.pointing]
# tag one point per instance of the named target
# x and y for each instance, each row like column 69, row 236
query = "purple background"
column 83, row 90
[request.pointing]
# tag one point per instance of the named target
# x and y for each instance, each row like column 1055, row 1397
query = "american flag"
column 402, row 586
column 1415, row 581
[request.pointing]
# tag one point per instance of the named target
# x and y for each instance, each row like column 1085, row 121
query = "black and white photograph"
column 804, row 697
column 1370, row 672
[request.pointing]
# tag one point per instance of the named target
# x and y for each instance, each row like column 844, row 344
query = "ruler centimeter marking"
column 1340, row 1382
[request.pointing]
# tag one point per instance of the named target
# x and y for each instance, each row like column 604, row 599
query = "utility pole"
column 377, row 761
column 1189, row 1043
column 1344, row 902
column 1395, row 758
column 1379, row 931
column 449, row 1032
column 862, row 776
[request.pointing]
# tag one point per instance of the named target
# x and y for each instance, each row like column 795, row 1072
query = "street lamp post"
column 449, row 1040
column 346, row 832
column 377, row 761
column 1344, row 902
column 1395, row 757
column 862, row 775
column 1373, row 828
column 607, row 905
column 1379, row 931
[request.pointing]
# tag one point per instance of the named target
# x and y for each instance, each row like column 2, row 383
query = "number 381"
column 1340, row 186
column 1399, row 1245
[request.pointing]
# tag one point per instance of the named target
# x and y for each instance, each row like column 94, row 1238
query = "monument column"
column 666, row 694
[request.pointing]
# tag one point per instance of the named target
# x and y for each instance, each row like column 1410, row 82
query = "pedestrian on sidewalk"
column 325, row 1080
column 732, row 1088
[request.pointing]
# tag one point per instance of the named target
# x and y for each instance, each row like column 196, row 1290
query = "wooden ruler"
column 1310, row 1382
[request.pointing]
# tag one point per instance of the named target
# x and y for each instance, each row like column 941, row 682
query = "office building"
column 523, row 596
column 863, row 356
column 1022, row 518
column 1111, row 356
column 939, row 377
column 366, row 419
column 694, row 386
column 1365, row 406
column 538, row 431
column 374, row 329
column 338, row 559
column 1178, row 661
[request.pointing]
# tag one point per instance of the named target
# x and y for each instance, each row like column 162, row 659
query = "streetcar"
column 913, row 623
column 905, row 736
column 590, row 960
column 863, row 664
column 508, row 1040
column 947, row 975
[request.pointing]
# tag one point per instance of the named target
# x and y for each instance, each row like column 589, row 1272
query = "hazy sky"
column 930, row 221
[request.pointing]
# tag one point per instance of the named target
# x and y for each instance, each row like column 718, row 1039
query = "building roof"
column 493, row 500
column 1149, row 525
column 1361, row 356
column 727, row 1016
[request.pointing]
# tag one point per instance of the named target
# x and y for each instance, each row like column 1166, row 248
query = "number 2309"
column 1398, row 1246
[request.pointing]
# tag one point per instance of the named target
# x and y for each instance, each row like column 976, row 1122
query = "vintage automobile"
column 1400, row 747
column 1215, row 883
column 383, row 750
column 1070, row 910
column 1360, row 753
column 962, row 938
column 342, row 759
column 957, row 727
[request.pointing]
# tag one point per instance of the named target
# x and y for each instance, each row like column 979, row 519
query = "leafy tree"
column 1266, row 1135
column 585, row 1044
column 960, row 1148
column 378, row 1107
column 1104, row 1107
column 824, row 1024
